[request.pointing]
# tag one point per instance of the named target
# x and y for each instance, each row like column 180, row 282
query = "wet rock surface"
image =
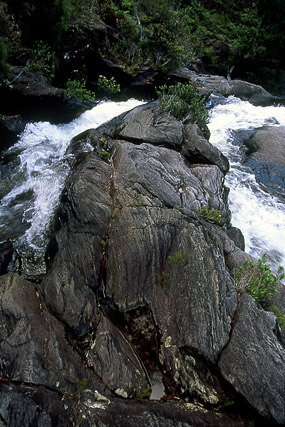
column 265, row 156
column 138, row 290
column 219, row 85
column 33, row 97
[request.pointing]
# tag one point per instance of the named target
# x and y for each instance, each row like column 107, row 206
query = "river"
column 26, row 211
column 258, row 214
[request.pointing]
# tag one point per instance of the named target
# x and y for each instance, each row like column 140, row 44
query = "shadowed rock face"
column 138, row 289
column 33, row 97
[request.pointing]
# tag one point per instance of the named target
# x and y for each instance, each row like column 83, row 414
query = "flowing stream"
column 39, row 177
column 258, row 214
column 42, row 167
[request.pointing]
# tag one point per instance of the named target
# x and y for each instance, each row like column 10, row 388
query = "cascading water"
column 26, row 211
column 258, row 214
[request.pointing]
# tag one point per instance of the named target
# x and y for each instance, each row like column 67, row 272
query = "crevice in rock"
column 32, row 386
column 137, row 141
column 139, row 330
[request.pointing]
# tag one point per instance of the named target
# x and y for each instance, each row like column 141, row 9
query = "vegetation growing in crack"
column 279, row 315
column 105, row 155
column 142, row 394
column 211, row 215
column 184, row 102
column 163, row 278
column 257, row 279
column 178, row 258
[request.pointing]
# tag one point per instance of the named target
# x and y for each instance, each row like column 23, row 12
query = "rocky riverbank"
column 139, row 294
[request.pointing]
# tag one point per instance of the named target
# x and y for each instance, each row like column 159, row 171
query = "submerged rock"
column 266, row 157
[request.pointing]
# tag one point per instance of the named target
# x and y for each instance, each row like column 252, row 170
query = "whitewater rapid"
column 43, row 168
column 258, row 214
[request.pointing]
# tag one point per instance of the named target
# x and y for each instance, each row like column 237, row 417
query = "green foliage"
column 163, row 278
column 211, row 215
column 77, row 89
column 42, row 60
column 143, row 394
column 183, row 102
column 105, row 155
column 278, row 313
column 81, row 386
column 179, row 258
column 257, row 279
column 164, row 34
column 3, row 57
column 103, row 243
column 114, row 213
column 108, row 86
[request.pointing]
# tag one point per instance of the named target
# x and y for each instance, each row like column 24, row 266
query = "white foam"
column 44, row 166
column 259, row 215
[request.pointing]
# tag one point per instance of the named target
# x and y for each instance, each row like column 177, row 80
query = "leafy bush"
column 257, row 279
column 41, row 61
column 183, row 102
column 77, row 89
column 108, row 86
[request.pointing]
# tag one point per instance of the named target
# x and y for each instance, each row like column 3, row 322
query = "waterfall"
column 258, row 214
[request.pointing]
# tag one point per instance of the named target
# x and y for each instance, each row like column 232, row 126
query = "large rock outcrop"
column 33, row 97
column 139, row 292
column 219, row 85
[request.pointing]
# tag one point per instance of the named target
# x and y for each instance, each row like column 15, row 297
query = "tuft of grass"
column 184, row 102
column 179, row 258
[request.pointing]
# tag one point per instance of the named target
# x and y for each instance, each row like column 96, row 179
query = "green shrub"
column 144, row 394
column 211, row 215
column 163, row 278
column 108, row 86
column 105, row 155
column 257, row 279
column 77, row 89
column 179, row 258
column 278, row 313
column 42, row 60
column 183, row 102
